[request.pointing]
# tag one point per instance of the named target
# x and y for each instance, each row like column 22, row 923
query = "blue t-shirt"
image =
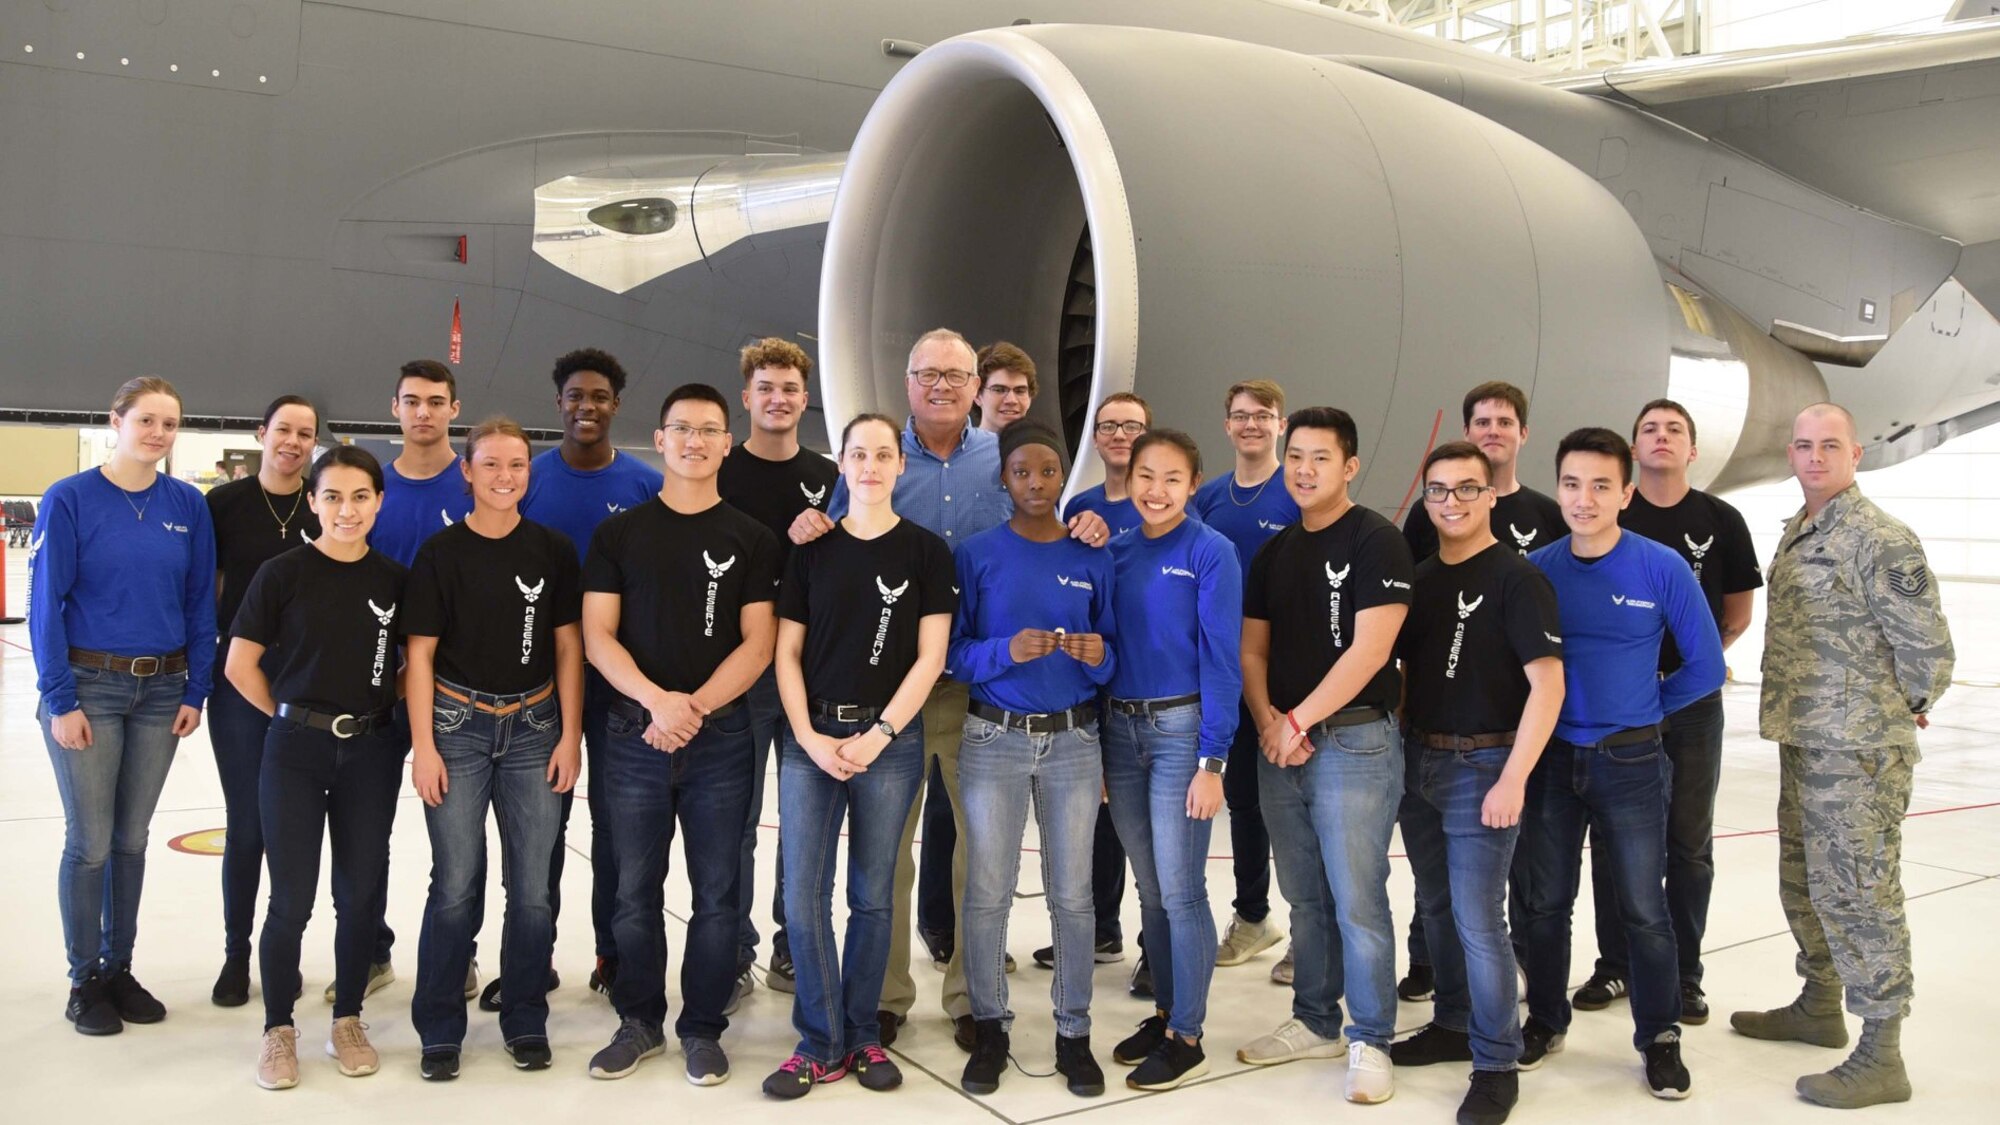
column 415, row 510
column 1007, row 584
column 575, row 501
column 1615, row 610
column 954, row 498
column 1122, row 516
column 1178, row 600
column 1246, row 517
column 128, row 573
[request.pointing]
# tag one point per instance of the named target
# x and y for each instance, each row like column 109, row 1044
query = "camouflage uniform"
column 1855, row 644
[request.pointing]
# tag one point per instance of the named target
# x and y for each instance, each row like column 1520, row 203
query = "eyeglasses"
column 998, row 391
column 1465, row 493
column 1129, row 429
column 684, row 431
column 953, row 377
column 1244, row 417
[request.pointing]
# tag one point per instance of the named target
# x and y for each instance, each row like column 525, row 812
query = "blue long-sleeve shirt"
column 1245, row 516
column 1178, row 604
column 954, row 497
column 414, row 510
column 1615, row 609
column 1121, row 516
column 575, row 501
column 103, row 579
column 1007, row 584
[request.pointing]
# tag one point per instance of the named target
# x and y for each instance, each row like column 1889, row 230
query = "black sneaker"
column 796, row 1076
column 1665, row 1075
column 91, row 1010
column 1490, row 1098
column 489, row 997
column 1432, row 1044
column 232, row 984
column 1694, row 1004
column 874, row 1069
column 939, row 946
column 989, row 1057
column 965, row 1032
column 531, row 1053
column 1173, row 1061
column 1418, row 985
column 886, row 1023
column 1074, row 1062
column 1136, row 1047
column 1104, row 953
column 1538, row 1042
column 1141, row 986
column 134, row 1003
column 1598, row 992
column 781, row 976
column 603, row 974
column 439, row 1066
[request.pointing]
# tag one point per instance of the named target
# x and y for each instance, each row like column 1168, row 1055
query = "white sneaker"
column 472, row 979
column 1292, row 1040
column 1244, row 940
column 1371, row 1077
column 1281, row 973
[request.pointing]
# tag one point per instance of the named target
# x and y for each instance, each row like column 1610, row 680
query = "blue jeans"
column 935, row 915
column 1249, row 840
column 1461, row 871
column 1694, row 749
column 1000, row 770
column 1149, row 763
column 1330, row 821
column 314, row 786
column 1623, row 791
column 839, row 990
column 109, row 790
column 767, row 725
column 237, row 730
column 597, row 696
column 497, row 762
column 705, row 786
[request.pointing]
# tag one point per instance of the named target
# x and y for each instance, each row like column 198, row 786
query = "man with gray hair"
column 1856, row 652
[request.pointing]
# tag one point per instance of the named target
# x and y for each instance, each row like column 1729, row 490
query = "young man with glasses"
column 1482, row 661
column 1007, row 385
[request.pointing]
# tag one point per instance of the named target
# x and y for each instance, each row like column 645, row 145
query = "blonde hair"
column 135, row 389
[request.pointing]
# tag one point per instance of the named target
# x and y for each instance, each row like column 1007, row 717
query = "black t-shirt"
column 1310, row 584
column 329, row 628
column 1711, row 537
column 860, row 600
column 684, row 580
column 775, row 492
column 1471, row 629
column 1523, row 519
column 494, row 604
column 247, row 521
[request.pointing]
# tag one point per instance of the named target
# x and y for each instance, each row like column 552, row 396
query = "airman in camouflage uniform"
column 1856, row 651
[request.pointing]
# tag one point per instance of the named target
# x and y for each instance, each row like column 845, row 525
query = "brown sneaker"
column 278, row 1061
column 349, row 1048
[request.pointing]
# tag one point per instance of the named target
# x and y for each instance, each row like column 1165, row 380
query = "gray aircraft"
column 1156, row 195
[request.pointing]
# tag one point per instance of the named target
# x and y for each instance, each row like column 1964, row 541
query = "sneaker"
column 1104, row 953
column 745, row 985
column 1430, row 1046
column 1598, row 992
column 1281, row 973
column 706, row 1064
column 1418, row 985
column 531, row 1053
column 965, row 1032
column 471, row 979
column 1665, row 1075
column 380, row 976
column 1173, row 1061
column 491, row 1001
column 91, row 1010
column 134, row 1003
column 1371, row 1077
column 232, row 984
column 439, row 1066
column 796, row 1076
column 1009, row 963
column 1694, row 1005
column 1141, row 984
column 1490, row 1098
column 1138, row 1046
column 874, row 1069
column 633, row 1042
column 780, row 976
column 939, row 946
column 886, row 1023
column 1538, row 1042
column 278, row 1059
column 1075, row 1063
column 1244, row 940
column 349, row 1048
column 989, row 1058
column 1292, row 1040
column 603, row 974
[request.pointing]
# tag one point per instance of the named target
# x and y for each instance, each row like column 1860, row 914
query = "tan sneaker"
column 381, row 975
column 349, row 1048
column 278, row 1060
column 1244, row 940
column 472, row 979
column 1281, row 973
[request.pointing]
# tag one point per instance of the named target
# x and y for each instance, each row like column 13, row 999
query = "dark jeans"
column 313, row 787
column 1248, row 838
column 597, row 696
column 936, row 914
column 1694, row 748
column 236, row 730
column 385, row 938
column 1623, row 789
column 1107, row 876
column 705, row 787
column 496, row 763
column 767, row 725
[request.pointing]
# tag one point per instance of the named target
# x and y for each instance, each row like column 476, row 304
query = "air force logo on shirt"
column 889, row 596
column 1698, row 549
column 1179, row 571
column 1523, row 538
column 612, row 508
column 445, row 515
column 1074, row 583
column 718, row 569
column 383, row 617
column 1632, row 603
column 530, row 592
column 177, row 528
column 715, row 571
column 813, row 498
column 35, row 546
column 1334, row 579
column 1465, row 609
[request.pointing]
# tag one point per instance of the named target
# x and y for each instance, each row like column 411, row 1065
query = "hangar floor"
column 196, row 1067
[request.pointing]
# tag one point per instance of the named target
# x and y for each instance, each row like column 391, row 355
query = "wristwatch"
column 883, row 726
column 1216, row 766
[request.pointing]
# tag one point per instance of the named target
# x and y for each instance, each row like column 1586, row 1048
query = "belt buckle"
column 841, row 712
column 150, row 663
column 1028, row 724
column 335, row 730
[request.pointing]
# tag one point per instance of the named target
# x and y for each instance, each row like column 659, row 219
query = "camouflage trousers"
column 1840, row 856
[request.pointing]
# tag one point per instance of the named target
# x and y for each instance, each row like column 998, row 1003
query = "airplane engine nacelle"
column 1169, row 213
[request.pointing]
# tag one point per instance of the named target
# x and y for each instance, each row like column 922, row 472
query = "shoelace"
column 349, row 1033
column 797, row 1063
column 277, row 1045
column 873, row 1054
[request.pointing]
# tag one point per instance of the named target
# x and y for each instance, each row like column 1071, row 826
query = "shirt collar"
column 1833, row 511
column 914, row 444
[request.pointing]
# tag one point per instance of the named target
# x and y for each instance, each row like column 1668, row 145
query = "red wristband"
column 1296, row 728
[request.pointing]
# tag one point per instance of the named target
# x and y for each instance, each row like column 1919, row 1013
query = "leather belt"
column 1462, row 742
column 547, row 690
column 142, row 666
column 1352, row 717
column 340, row 726
column 827, row 712
column 631, row 712
column 1040, row 722
column 1141, row 708
column 1631, row 736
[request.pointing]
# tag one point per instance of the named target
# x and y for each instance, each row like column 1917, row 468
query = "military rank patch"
column 1910, row 579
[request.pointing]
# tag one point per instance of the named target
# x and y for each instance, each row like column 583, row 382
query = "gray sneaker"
column 1244, row 940
column 381, row 975
column 706, row 1064
column 745, row 985
column 634, row 1041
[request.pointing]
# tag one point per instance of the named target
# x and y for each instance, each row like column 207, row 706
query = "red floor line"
column 13, row 644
